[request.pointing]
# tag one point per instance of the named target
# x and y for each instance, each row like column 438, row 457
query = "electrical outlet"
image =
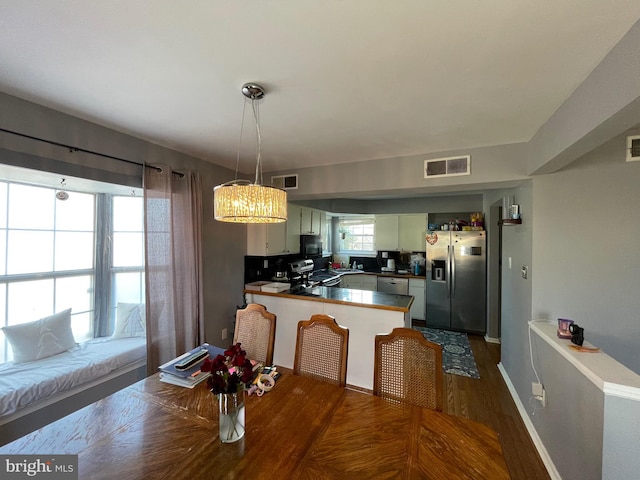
column 224, row 334
column 538, row 391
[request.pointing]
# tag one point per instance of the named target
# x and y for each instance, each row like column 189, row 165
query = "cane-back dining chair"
column 321, row 349
column 408, row 368
column 256, row 331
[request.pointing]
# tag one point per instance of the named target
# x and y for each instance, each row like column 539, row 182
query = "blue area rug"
column 457, row 356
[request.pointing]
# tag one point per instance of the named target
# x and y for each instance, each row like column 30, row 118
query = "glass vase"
column 231, row 415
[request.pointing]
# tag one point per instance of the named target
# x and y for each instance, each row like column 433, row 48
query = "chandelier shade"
column 240, row 201
column 243, row 202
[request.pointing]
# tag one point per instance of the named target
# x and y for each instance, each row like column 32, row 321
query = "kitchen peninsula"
column 365, row 313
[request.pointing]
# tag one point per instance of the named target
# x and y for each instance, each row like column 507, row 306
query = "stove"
column 302, row 274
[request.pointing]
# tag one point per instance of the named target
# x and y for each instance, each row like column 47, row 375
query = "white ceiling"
column 346, row 80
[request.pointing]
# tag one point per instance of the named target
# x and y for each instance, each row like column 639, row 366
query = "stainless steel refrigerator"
column 456, row 280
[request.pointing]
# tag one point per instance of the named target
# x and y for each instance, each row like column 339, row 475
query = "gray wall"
column 224, row 245
column 587, row 260
column 491, row 167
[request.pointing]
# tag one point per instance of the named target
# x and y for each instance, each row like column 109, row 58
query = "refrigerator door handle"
column 448, row 270
column 452, row 293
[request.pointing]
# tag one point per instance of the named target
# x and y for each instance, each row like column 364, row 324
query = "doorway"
column 494, row 290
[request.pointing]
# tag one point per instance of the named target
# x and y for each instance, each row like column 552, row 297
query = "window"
column 356, row 234
column 84, row 252
column 327, row 247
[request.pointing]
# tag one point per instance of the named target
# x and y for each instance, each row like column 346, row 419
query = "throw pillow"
column 130, row 320
column 41, row 338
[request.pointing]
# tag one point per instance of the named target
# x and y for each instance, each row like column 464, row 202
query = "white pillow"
column 42, row 338
column 130, row 320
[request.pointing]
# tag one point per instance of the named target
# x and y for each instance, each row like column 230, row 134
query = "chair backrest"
column 321, row 349
column 256, row 331
column 408, row 368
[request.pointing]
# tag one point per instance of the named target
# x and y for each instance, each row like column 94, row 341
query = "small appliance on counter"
column 280, row 276
column 391, row 266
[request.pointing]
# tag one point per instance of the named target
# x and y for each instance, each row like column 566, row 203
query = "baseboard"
column 491, row 339
column 537, row 441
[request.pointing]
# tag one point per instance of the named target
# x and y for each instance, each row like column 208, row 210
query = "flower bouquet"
column 229, row 374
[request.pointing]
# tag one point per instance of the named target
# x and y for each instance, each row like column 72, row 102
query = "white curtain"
column 173, row 251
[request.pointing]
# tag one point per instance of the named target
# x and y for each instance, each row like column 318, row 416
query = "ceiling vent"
column 285, row 182
column 447, row 167
column 633, row 149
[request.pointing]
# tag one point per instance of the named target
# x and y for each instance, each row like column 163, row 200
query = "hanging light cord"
column 244, row 105
column 256, row 116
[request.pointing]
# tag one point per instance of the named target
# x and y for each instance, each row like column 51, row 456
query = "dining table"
column 303, row 428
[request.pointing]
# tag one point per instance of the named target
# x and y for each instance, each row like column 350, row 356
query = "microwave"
column 310, row 246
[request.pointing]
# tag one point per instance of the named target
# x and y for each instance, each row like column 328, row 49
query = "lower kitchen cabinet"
column 417, row 289
column 359, row 282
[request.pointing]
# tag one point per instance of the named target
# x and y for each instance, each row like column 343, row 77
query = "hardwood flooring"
column 487, row 400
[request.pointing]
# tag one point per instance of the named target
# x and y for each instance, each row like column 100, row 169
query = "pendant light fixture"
column 240, row 201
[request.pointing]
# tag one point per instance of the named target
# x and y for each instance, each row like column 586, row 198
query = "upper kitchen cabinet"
column 386, row 233
column 412, row 230
column 401, row 232
column 275, row 238
column 311, row 221
column 293, row 228
column 266, row 239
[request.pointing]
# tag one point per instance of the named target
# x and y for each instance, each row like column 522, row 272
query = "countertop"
column 380, row 273
column 345, row 296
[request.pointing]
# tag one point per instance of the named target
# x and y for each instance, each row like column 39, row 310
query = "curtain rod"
column 83, row 150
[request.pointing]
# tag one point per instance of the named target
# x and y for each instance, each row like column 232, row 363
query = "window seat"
column 66, row 382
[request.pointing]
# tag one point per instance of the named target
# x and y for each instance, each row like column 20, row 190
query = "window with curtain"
column 327, row 236
column 356, row 234
column 84, row 252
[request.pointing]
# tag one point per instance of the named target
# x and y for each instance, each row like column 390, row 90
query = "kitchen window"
column 81, row 250
column 356, row 235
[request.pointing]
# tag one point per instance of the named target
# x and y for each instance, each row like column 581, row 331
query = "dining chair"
column 408, row 367
column 256, row 331
column 321, row 349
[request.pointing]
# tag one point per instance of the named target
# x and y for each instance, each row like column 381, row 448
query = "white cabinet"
column 266, row 239
column 359, row 282
column 369, row 282
column 292, row 243
column 417, row 289
column 386, row 233
column 310, row 221
column 401, row 232
column 412, row 230
column 351, row 281
column 275, row 238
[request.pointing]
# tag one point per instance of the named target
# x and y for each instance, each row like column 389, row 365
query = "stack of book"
column 185, row 370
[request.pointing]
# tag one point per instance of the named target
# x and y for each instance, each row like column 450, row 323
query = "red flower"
column 228, row 370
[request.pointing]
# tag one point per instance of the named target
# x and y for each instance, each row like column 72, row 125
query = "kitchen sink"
column 347, row 270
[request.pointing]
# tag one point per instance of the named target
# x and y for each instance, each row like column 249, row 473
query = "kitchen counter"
column 365, row 313
column 380, row 273
column 347, row 296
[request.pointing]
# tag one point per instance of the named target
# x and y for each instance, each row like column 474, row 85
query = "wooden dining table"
column 302, row 429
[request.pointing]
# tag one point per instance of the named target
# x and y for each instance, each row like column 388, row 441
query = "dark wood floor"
column 487, row 400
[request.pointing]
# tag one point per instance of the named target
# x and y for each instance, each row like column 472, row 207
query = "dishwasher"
column 399, row 286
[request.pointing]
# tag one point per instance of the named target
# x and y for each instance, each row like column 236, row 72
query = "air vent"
column 447, row 167
column 285, row 182
column 633, row 149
